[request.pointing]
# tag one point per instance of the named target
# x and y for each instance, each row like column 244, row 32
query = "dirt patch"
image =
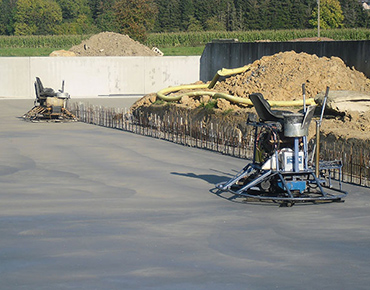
column 112, row 44
column 280, row 77
column 353, row 125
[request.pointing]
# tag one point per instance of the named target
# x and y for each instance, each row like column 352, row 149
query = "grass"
column 44, row 51
column 26, row 51
column 227, row 112
column 183, row 50
column 159, row 102
column 209, row 106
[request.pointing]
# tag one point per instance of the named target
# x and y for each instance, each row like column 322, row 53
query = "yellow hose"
column 162, row 94
column 227, row 72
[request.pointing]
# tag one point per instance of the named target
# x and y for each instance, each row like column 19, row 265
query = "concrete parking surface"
column 86, row 207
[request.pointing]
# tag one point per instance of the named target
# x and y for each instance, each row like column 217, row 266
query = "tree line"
column 139, row 17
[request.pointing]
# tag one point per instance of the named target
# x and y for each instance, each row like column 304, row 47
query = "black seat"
column 41, row 92
column 264, row 111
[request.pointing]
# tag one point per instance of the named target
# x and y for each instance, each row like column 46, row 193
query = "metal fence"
column 355, row 159
column 180, row 128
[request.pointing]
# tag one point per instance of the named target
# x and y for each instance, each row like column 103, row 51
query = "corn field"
column 181, row 129
column 41, row 41
column 202, row 38
column 187, row 38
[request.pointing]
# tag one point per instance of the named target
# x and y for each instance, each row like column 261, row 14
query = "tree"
column 252, row 19
column 331, row 15
column 194, row 25
column 37, row 17
column 7, row 8
column 169, row 15
column 77, row 17
column 80, row 25
column 354, row 14
column 135, row 17
column 300, row 13
column 214, row 24
column 239, row 23
column 265, row 15
column 203, row 10
column 71, row 9
column 94, row 7
column 280, row 12
column 186, row 11
column 104, row 16
column 230, row 17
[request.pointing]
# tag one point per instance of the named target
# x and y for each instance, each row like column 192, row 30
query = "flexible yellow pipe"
column 222, row 72
column 227, row 72
column 162, row 94
column 238, row 100
column 216, row 95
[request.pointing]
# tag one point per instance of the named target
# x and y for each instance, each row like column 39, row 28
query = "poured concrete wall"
column 232, row 55
column 96, row 76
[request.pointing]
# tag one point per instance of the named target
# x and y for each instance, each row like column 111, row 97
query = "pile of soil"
column 280, row 77
column 112, row 44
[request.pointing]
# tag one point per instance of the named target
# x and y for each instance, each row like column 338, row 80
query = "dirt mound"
column 62, row 52
column 280, row 77
column 353, row 125
column 112, row 44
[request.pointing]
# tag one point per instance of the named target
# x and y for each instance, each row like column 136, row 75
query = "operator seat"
column 264, row 111
column 42, row 93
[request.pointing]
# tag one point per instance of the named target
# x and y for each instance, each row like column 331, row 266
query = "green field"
column 181, row 43
column 27, row 51
column 183, row 50
column 45, row 51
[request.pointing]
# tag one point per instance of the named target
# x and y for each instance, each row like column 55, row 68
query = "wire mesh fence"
column 173, row 126
column 355, row 158
column 179, row 127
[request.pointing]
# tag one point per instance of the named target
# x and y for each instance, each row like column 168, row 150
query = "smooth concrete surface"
column 86, row 207
column 96, row 76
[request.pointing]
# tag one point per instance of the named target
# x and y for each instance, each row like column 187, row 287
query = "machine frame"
column 49, row 105
column 286, row 176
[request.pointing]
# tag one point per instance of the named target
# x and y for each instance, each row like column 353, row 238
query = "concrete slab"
column 86, row 207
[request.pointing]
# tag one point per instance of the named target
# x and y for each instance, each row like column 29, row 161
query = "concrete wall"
column 232, row 55
column 96, row 76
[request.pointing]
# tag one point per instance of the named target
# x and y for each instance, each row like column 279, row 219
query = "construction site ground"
column 86, row 207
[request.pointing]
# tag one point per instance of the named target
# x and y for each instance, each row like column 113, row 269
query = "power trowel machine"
column 281, row 170
column 49, row 105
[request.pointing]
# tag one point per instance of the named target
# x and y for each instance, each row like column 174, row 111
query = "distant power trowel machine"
column 49, row 105
column 281, row 170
